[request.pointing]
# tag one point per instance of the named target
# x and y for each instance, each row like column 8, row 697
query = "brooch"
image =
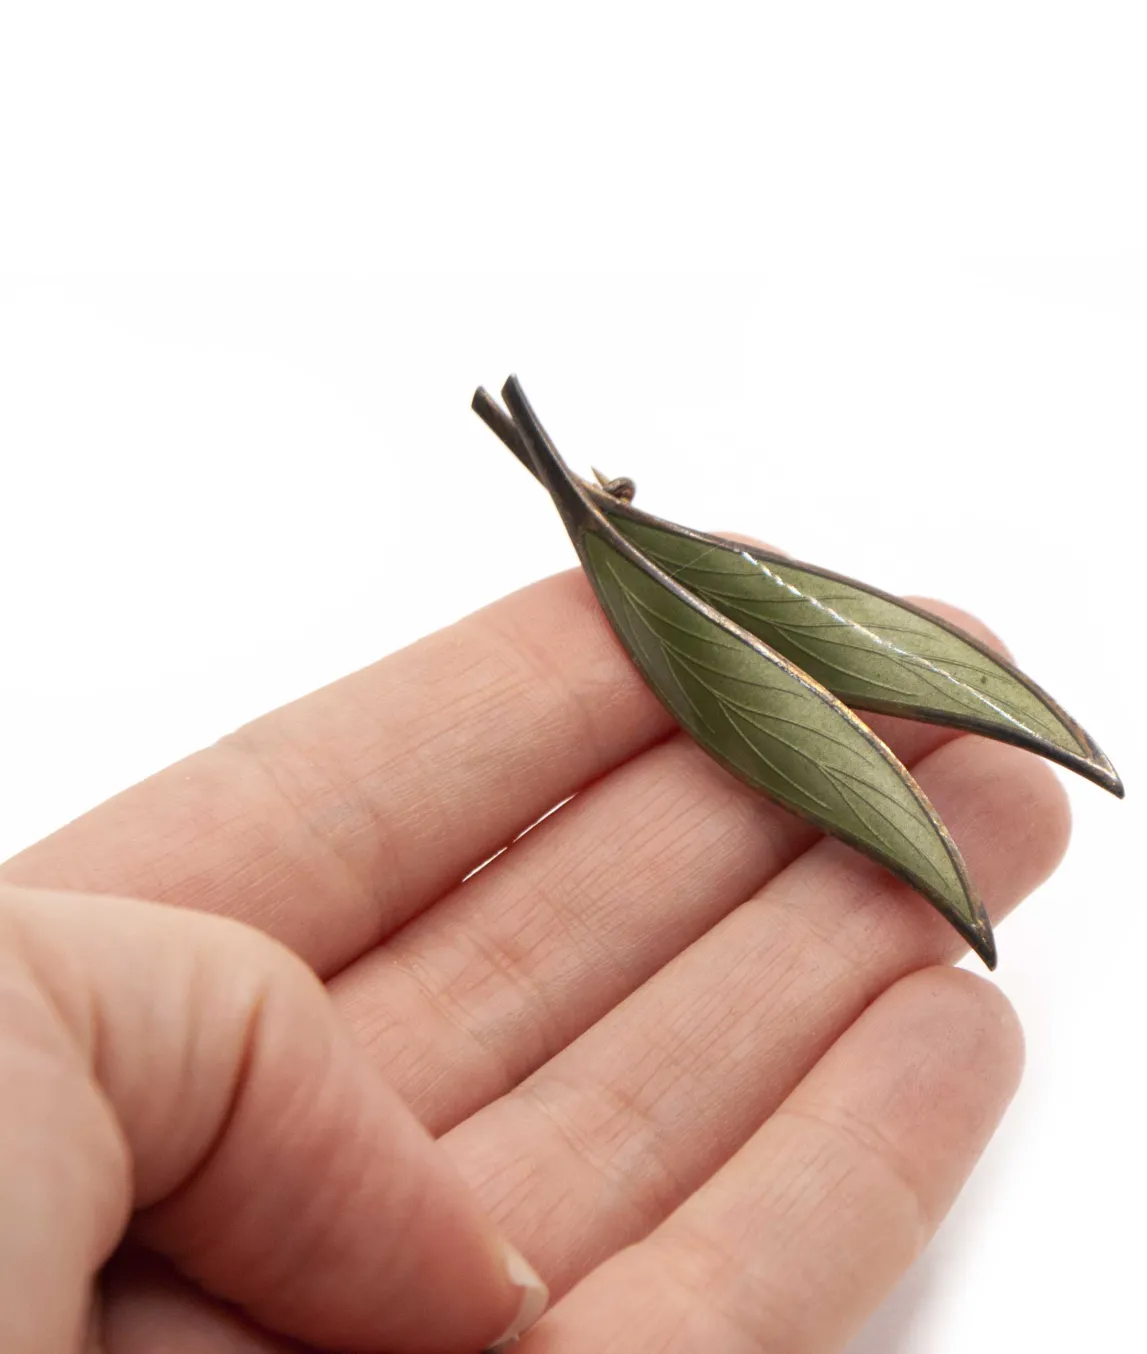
column 762, row 661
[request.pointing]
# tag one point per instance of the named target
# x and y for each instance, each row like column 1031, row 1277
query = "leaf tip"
column 984, row 945
column 974, row 924
column 1093, row 765
column 1106, row 775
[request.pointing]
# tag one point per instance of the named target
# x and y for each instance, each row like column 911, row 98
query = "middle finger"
column 514, row 964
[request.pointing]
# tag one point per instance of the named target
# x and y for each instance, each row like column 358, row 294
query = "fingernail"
column 535, row 1296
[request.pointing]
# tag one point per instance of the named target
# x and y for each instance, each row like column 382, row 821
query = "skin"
column 708, row 1071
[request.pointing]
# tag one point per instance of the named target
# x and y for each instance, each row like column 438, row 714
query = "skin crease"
column 697, row 1063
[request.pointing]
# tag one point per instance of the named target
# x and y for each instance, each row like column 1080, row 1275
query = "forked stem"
column 503, row 427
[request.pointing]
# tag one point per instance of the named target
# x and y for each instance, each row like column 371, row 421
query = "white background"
column 866, row 281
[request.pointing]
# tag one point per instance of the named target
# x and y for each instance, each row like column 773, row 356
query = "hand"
column 701, row 1066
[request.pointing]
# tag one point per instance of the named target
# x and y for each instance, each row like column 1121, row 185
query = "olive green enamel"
column 781, row 733
column 874, row 651
column 869, row 649
column 748, row 706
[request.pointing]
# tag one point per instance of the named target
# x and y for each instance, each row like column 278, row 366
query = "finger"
column 604, row 1140
column 190, row 1068
column 148, row 1306
column 803, row 1232
column 523, row 957
column 331, row 821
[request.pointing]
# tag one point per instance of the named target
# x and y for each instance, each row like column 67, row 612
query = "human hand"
column 696, row 1062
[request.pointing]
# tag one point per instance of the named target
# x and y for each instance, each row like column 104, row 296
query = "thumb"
column 188, row 1069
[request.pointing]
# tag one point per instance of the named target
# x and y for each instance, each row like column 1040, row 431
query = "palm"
column 602, row 1022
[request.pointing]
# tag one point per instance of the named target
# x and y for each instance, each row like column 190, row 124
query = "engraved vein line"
column 754, row 576
column 748, row 711
column 639, row 620
column 673, row 570
column 850, row 794
column 643, row 611
column 812, row 652
column 651, row 610
column 717, row 571
column 753, row 748
column 688, row 661
column 1000, row 705
column 802, row 792
column 691, row 663
column 671, row 655
column 726, row 643
column 826, row 768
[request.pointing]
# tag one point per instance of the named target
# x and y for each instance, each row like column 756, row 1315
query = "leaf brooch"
column 759, row 658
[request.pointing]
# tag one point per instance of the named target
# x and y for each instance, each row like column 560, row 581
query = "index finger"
column 331, row 821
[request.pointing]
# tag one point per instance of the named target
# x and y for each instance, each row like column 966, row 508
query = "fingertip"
column 935, row 1061
column 968, row 1015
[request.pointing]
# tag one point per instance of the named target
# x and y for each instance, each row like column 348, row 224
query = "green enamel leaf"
column 871, row 650
column 779, row 733
column 754, row 711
